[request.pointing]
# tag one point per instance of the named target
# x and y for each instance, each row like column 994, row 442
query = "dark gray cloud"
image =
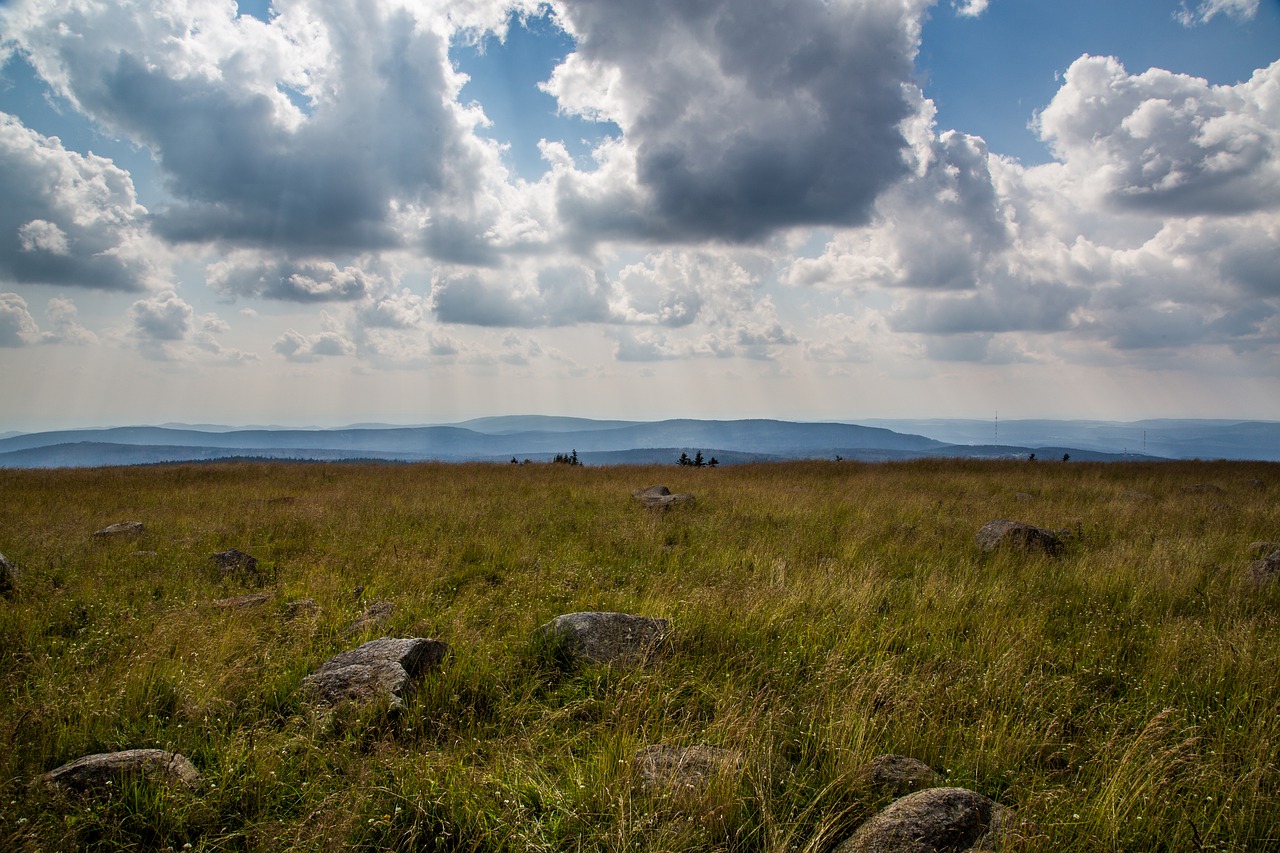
column 743, row 116
column 67, row 219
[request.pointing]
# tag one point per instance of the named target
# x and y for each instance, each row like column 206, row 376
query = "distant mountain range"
column 538, row 438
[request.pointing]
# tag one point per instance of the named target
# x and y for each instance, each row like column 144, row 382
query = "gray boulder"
column 898, row 775
column 1018, row 536
column 8, row 577
column 121, row 530
column 683, row 769
column 95, row 772
column 607, row 637
column 933, row 821
column 386, row 668
column 660, row 497
column 300, row 608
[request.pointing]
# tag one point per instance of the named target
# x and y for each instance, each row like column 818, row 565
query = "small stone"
column 898, row 775
column 1019, row 536
column 1135, row 495
column 1023, row 497
column 1264, row 571
column 683, row 769
column 93, row 773
column 931, row 821
column 374, row 615
column 385, row 668
column 121, row 530
column 301, row 607
column 607, row 637
column 660, row 497
column 236, row 563
column 240, row 602
column 8, row 577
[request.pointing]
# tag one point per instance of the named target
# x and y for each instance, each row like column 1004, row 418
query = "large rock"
column 933, row 821
column 1018, row 536
column 687, row 769
column 898, row 775
column 1258, row 550
column 660, row 497
column 95, row 772
column 386, row 668
column 8, row 577
column 607, row 637
column 121, row 530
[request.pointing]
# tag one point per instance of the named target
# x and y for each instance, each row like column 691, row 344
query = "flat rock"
column 899, row 775
column 121, row 530
column 1203, row 489
column 683, row 768
column 607, row 637
column 386, row 668
column 932, row 821
column 1018, row 536
column 660, row 497
column 8, row 577
column 374, row 615
column 95, row 772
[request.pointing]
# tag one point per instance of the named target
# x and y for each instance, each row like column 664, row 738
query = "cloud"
column 1166, row 143
column 970, row 8
column 315, row 132
column 553, row 295
column 166, row 328
column 246, row 274
column 64, row 318
column 331, row 341
column 1207, row 10
column 738, row 118
column 17, row 327
column 68, row 219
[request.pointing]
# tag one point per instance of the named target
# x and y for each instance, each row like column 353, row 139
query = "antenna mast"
column 997, row 429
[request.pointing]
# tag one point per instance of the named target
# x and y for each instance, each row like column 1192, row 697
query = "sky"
column 421, row 211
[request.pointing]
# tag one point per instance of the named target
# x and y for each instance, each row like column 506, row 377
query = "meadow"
column 1122, row 696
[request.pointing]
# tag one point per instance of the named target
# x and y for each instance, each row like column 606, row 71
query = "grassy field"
column 1125, row 696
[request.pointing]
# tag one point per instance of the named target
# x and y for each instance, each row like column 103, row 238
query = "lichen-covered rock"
column 683, row 769
column 8, row 577
column 386, row 668
column 606, row 637
column 121, row 530
column 660, row 497
column 932, row 821
column 94, row 773
column 1018, row 536
column 898, row 775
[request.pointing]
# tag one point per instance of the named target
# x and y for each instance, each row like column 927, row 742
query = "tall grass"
column 1122, row 697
